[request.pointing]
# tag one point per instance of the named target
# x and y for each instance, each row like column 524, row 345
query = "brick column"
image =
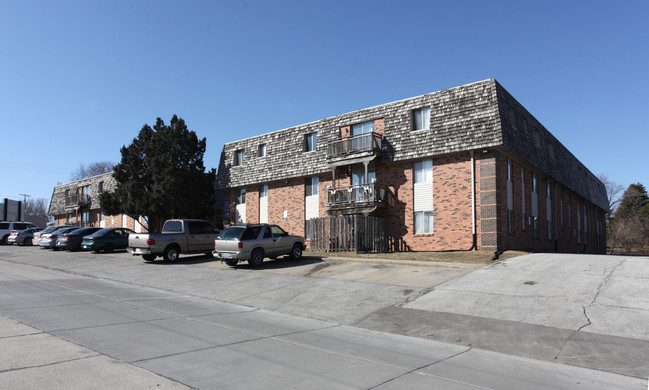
column 490, row 209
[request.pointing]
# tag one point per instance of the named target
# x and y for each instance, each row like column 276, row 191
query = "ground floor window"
column 423, row 222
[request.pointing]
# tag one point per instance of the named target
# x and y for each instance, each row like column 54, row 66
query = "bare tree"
column 97, row 168
column 37, row 207
column 614, row 193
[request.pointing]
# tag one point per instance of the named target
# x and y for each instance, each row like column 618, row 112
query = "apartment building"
column 77, row 203
column 459, row 169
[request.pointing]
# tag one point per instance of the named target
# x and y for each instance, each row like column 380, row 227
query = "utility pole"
column 25, row 197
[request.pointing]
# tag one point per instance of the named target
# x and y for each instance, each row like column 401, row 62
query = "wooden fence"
column 348, row 233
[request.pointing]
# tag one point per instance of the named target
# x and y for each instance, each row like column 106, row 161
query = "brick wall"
column 566, row 237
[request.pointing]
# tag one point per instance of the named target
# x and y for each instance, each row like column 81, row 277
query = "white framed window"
column 423, row 196
column 423, row 222
column 238, row 157
column 263, row 203
column 311, row 203
column 424, row 171
column 261, row 150
column 363, row 128
column 311, row 186
column 310, row 142
column 421, row 119
column 240, row 194
column 510, row 197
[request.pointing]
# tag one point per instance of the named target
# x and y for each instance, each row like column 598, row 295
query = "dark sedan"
column 107, row 239
column 72, row 240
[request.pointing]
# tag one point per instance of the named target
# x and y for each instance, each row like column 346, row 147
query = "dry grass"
column 475, row 257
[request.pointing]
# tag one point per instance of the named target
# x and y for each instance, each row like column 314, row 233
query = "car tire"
column 256, row 258
column 108, row 248
column 171, row 253
column 149, row 257
column 232, row 263
column 4, row 240
column 296, row 252
column 28, row 242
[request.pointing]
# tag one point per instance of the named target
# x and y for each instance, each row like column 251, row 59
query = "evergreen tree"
column 634, row 198
column 161, row 176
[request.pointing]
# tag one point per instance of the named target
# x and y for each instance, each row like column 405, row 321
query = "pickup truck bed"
column 178, row 236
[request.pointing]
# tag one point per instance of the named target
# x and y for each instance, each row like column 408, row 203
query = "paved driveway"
column 600, row 294
column 585, row 310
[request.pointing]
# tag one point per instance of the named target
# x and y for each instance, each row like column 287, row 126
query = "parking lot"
column 199, row 322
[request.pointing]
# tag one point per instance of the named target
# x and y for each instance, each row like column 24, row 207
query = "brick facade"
column 474, row 131
column 66, row 208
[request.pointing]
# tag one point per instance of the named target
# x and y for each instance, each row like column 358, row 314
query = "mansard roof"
column 475, row 116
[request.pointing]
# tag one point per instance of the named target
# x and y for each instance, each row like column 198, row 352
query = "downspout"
column 473, row 214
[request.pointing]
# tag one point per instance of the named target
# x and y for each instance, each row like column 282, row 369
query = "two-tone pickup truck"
column 252, row 243
column 178, row 236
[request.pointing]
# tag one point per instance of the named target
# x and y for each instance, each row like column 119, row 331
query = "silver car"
column 22, row 237
column 252, row 243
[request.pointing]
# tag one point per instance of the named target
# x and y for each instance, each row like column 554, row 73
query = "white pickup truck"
column 178, row 236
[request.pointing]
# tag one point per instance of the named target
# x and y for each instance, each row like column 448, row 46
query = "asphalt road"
column 77, row 320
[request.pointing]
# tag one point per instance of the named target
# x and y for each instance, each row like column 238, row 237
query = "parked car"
column 178, row 236
column 22, row 237
column 37, row 235
column 7, row 226
column 48, row 240
column 107, row 239
column 252, row 243
column 72, row 239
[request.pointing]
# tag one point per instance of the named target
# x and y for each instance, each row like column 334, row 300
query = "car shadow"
column 268, row 264
column 281, row 263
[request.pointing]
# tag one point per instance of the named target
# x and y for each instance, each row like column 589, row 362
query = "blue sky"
column 78, row 79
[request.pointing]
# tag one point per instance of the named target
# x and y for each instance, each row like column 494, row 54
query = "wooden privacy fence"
column 348, row 233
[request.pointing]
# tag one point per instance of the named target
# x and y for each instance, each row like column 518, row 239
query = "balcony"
column 75, row 201
column 354, row 149
column 356, row 199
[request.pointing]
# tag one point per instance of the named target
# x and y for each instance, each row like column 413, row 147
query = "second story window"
column 363, row 128
column 240, row 194
column 424, row 171
column 261, row 150
column 101, row 187
column 238, row 157
column 311, row 186
column 310, row 141
column 421, row 119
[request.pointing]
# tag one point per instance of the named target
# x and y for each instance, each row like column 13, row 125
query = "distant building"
column 458, row 169
column 77, row 203
column 11, row 210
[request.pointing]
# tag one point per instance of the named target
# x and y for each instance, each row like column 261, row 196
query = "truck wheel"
column 149, row 257
column 171, row 253
column 256, row 258
column 296, row 252
column 231, row 263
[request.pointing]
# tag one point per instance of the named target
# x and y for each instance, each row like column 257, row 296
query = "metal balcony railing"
column 361, row 194
column 367, row 142
column 76, row 200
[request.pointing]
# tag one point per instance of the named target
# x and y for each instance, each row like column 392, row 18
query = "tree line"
column 627, row 218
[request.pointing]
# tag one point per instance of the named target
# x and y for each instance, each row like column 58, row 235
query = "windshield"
column 231, row 233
